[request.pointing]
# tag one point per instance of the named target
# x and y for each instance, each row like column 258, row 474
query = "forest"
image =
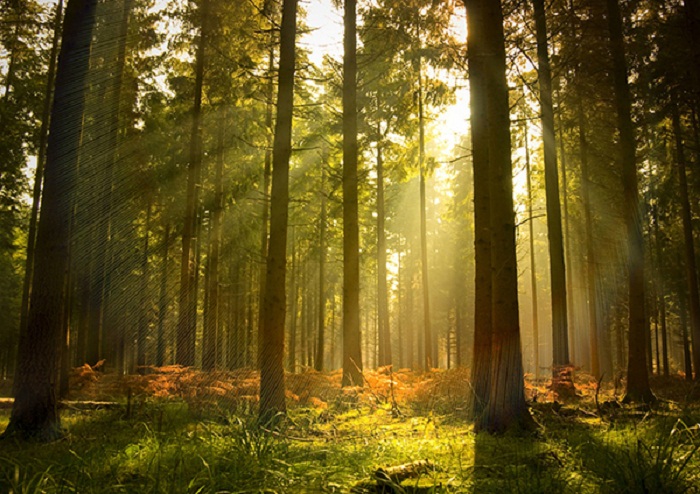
column 371, row 246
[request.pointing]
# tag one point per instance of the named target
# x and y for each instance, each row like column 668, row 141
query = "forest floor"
column 177, row 430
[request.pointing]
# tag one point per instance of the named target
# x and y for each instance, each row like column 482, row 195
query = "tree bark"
column 212, row 319
column 187, row 317
column 39, row 174
column 637, row 375
column 267, row 174
column 272, row 390
column 533, row 271
column 591, row 261
column 685, row 338
column 352, row 349
column 425, row 284
column 689, row 244
column 320, row 343
column 660, row 289
column 293, row 307
column 142, row 331
column 382, row 292
column 506, row 408
column 34, row 413
column 476, row 52
column 560, row 332
column 571, row 323
column 163, row 298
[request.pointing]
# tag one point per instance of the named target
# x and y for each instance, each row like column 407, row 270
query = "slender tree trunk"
column 660, row 289
column 272, row 390
column 34, row 412
column 400, row 310
column 382, row 294
column 480, row 373
column 305, row 332
column 427, row 330
column 637, row 375
column 267, row 174
column 320, row 343
column 657, row 343
column 560, row 332
column 352, row 349
column 293, row 307
column 591, row 260
column 212, row 321
column 187, row 318
column 163, row 298
column 142, row 333
column 571, row 323
column 39, row 174
column 685, row 338
column 409, row 328
column 690, row 260
column 533, row 270
column 251, row 354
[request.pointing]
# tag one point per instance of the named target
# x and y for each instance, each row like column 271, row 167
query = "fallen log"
column 388, row 480
column 399, row 473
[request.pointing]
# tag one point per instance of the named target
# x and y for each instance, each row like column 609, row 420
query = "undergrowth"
column 206, row 441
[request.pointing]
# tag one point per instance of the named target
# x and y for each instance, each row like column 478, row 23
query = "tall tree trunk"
column 305, row 331
column 39, row 173
column 480, row 373
column 637, row 375
column 685, row 338
column 187, row 318
column 427, row 330
column 689, row 244
column 272, row 391
column 571, row 323
column 142, row 332
column 382, row 293
column 251, row 336
column 533, row 270
column 212, row 321
column 163, row 298
column 660, row 289
column 506, row 408
column 267, row 174
column 560, row 331
column 400, row 311
column 320, row 343
column 591, row 261
column 34, row 412
column 293, row 307
column 352, row 349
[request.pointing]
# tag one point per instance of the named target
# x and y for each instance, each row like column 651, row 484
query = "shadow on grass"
column 660, row 456
column 516, row 464
column 162, row 449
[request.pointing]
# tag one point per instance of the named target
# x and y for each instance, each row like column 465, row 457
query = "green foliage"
column 648, row 459
column 163, row 447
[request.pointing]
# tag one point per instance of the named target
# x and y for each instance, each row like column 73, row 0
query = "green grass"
column 166, row 448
